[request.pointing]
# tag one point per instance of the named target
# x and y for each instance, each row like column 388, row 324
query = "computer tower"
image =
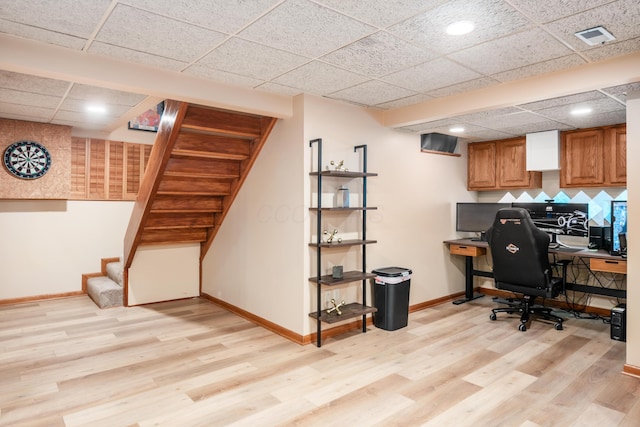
column 600, row 238
column 619, row 322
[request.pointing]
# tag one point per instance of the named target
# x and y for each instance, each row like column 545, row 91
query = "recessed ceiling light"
column 456, row 129
column 581, row 111
column 97, row 109
column 459, row 28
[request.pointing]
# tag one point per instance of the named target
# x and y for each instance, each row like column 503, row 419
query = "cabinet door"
column 481, row 166
column 582, row 159
column 615, row 155
column 511, row 163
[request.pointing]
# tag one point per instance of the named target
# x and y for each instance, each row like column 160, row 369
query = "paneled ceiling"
column 381, row 54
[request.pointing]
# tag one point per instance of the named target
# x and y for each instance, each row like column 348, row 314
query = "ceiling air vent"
column 595, row 36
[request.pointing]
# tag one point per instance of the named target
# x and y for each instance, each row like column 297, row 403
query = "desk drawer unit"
column 467, row 250
column 608, row 265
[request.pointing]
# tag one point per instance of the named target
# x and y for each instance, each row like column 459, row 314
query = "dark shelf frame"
column 353, row 309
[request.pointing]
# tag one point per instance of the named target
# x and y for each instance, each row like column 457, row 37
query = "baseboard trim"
column 277, row 329
column 633, row 371
column 41, row 297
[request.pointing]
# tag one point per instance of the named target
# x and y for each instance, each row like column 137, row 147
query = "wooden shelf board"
column 342, row 174
column 344, row 243
column 349, row 311
column 347, row 277
column 357, row 208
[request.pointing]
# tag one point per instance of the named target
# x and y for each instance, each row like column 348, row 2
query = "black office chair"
column 520, row 253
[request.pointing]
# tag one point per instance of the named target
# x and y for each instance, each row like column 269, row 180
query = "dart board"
column 27, row 159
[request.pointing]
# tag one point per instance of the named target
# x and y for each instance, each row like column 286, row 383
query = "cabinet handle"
column 610, row 262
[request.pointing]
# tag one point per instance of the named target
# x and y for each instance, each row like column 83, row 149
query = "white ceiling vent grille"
column 595, row 36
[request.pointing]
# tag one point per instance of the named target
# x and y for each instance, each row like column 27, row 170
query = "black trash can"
column 391, row 297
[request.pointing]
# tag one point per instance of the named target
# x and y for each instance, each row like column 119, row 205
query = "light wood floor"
column 191, row 363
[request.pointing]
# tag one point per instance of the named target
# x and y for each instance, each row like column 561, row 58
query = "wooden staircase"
column 198, row 163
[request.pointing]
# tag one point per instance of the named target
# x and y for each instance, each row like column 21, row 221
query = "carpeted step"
column 114, row 272
column 104, row 292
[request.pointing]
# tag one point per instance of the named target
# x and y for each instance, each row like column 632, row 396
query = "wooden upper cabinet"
column 511, row 164
column 495, row 165
column 615, row 155
column 594, row 158
column 481, row 166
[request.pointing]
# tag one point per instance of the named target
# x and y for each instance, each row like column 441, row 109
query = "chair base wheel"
column 558, row 326
column 493, row 316
column 522, row 327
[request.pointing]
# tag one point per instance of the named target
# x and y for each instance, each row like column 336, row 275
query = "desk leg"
column 468, row 278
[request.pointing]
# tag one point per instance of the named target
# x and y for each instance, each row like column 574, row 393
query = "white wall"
column 163, row 273
column 633, row 241
column 48, row 244
column 256, row 260
column 260, row 260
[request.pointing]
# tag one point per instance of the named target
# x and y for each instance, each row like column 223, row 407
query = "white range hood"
column 543, row 151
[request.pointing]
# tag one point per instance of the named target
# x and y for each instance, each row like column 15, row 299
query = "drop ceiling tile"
column 620, row 18
column 79, row 123
column 105, row 49
column 603, row 119
column 609, row 50
column 148, row 32
column 95, row 94
column 34, row 33
column 510, row 52
column 25, row 111
column 431, row 75
column 489, row 135
column 227, row 16
column 410, row 100
column 305, row 28
column 550, row 10
column 540, row 68
column 492, row 18
column 378, row 54
column 81, row 117
column 463, row 87
column 61, row 16
column 537, row 127
column 265, row 62
column 222, row 76
column 80, row 106
column 27, row 83
column 320, row 78
column 371, row 93
column 599, row 106
column 563, row 100
column 621, row 91
column 381, row 13
column 512, row 120
column 279, row 89
column 484, row 115
column 28, row 98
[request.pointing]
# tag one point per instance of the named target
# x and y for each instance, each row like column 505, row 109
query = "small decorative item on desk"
column 342, row 197
column 336, row 307
column 338, row 167
column 331, row 235
column 337, row 272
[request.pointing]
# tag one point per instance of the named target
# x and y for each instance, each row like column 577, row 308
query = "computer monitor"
column 569, row 219
column 618, row 227
column 477, row 217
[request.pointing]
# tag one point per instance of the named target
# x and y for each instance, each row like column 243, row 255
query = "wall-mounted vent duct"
column 595, row 36
column 543, row 151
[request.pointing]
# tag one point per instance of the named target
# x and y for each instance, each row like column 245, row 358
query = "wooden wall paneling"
column 79, row 166
column 115, row 173
column 97, row 159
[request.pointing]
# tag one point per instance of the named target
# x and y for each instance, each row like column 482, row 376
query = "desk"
column 599, row 260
